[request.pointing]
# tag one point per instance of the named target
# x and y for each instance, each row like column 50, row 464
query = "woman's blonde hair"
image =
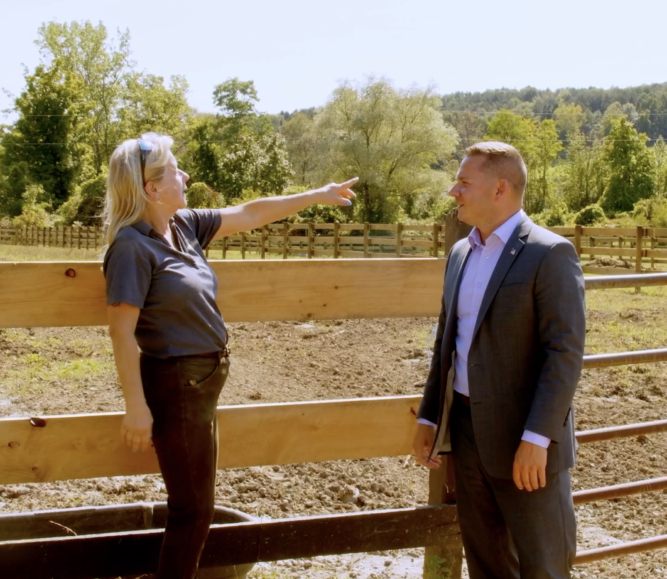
column 126, row 199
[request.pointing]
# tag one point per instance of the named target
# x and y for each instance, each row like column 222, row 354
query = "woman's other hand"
column 336, row 194
column 136, row 429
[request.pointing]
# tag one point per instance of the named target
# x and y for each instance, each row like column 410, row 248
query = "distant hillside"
column 645, row 105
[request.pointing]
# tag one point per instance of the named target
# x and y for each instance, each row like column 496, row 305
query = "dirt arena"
column 70, row 370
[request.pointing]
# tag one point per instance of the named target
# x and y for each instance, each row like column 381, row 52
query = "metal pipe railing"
column 625, row 281
column 613, row 551
column 625, row 358
column 622, row 490
column 624, row 431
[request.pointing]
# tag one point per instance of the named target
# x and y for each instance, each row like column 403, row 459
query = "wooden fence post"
column 436, row 239
column 263, row 242
column 285, row 240
column 654, row 240
column 311, row 240
column 620, row 246
column 399, row 239
column 592, row 244
column 639, row 249
column 367, row 231
column 443, row 561
column 577, row 239
column 336, row 248
column 224, row 248
column 242, row 244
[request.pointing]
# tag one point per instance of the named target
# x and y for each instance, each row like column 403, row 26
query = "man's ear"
column 503, row 188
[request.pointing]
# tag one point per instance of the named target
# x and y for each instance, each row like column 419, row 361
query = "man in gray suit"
column 506, row 362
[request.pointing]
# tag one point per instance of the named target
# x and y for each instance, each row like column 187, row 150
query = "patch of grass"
column 35, row 253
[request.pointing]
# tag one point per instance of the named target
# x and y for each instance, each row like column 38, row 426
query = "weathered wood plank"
column 111, row 555
column 608, row 231
column 37, row 294
column 86, row 446
column 611, row 251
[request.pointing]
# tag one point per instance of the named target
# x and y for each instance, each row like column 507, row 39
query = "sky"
column 298, row 51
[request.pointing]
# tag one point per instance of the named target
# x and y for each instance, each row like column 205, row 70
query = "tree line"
column 592, row 154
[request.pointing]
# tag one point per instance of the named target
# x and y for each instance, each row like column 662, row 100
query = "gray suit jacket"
column 526, row 354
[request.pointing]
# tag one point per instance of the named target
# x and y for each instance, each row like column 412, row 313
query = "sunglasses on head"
column 145, row 147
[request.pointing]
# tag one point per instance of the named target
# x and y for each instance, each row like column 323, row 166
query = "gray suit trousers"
column 493, row 511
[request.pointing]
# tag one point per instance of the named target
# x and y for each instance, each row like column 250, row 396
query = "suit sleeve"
column 430, row 403
column 561, row 318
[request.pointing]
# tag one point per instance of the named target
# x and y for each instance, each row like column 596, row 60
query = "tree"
column 301, row 141
column 43, row 145
column 585, row 172
column 516, row 130
column 660, row 156
column 148, row 105
column 630, row 166
column 547, row 147
column 238, row 149
column 83, row 51
column 388, row 138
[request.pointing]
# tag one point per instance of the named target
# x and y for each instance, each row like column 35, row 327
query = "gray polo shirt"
column 175, row 288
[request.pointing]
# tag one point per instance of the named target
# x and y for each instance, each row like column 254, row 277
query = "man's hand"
column 530, row 463
column 422, row 444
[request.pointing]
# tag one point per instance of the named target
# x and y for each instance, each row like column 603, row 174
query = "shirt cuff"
column 424, row 421
column 537, row 439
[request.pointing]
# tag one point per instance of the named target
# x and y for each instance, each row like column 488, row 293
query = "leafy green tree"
column 538, row 143
column 515, row 130
column 630, row 166
column 585, row 173
column 84, row 51
column 238, row 149
column 547, row 147
column 302, row 145
column 660, row 156
column 43, row 146
column 390, row 139
column 148, row 105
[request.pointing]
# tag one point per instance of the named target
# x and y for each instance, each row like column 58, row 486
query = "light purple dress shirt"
column 476, row 275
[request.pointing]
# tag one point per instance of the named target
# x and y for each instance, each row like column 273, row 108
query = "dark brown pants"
column 182, row 394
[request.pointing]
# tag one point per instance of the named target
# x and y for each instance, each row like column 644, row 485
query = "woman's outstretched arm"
column 259, row 212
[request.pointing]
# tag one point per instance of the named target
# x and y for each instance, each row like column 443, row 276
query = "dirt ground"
column 70, row 370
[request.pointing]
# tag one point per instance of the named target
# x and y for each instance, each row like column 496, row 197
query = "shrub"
column 651, row 211
column 33, row 212
column 201, row 196
column 591, row 215
column 556, row 216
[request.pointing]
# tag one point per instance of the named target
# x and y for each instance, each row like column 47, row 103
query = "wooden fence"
column 48, row 448
column 623, row 250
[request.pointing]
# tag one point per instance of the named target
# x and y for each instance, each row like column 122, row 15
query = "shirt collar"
column 502, row 233
column 142, row 227
column 145, row 229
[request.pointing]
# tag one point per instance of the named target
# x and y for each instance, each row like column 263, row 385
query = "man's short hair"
column 503, row 161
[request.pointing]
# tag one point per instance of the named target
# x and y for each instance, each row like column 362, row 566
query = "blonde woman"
column 169, row 338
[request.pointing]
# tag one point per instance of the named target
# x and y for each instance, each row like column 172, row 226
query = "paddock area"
column 351, row 338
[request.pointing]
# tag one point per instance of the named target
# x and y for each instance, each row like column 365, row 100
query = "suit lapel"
column 457, row 276
column 512, row 250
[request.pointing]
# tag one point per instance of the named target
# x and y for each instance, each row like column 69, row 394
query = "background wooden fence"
column 614, row 250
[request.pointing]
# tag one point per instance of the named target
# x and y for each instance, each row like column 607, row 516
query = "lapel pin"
column 513, row 252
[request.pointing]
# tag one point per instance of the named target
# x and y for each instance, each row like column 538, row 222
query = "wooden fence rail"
column 66, row 447
column 637, row 249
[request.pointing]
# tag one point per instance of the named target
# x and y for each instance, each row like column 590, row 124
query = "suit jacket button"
column 192, row 382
